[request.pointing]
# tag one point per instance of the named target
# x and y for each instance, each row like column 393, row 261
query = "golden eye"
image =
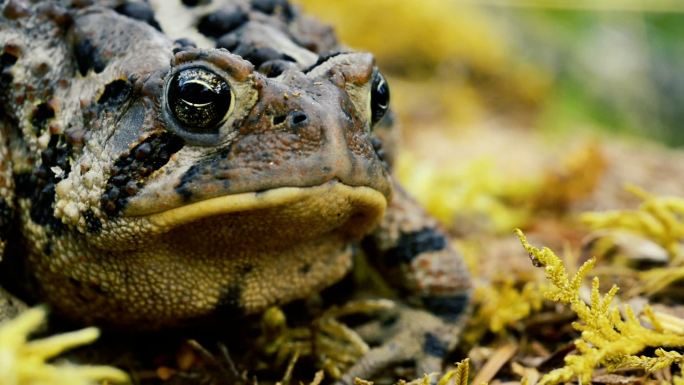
column 199, row 99
column 380, row 97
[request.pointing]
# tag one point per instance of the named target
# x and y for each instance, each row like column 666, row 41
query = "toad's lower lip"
column 373, row 201
column 285, row 215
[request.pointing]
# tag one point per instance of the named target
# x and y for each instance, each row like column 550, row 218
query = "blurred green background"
column 554, row 66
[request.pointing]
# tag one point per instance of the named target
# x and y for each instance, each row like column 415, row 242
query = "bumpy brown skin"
column 128, row 218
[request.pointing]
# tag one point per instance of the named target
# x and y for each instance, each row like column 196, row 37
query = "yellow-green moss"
column 659, row 219
column 24, row 362
column 608, row 338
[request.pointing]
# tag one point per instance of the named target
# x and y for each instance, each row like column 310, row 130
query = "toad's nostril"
column 279, row 119
column 298, row 118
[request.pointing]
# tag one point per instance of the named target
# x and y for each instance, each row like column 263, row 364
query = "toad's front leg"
column 416, row 257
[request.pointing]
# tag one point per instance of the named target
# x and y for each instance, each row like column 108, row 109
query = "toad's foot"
column 410, row 335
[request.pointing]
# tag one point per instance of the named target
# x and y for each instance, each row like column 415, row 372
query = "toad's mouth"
column 273, row 218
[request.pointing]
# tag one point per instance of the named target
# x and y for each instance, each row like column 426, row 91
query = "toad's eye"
column 199, row 99
column 380, row 97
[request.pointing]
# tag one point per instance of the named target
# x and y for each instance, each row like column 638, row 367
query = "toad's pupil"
column 197, row 94
column 380, row 96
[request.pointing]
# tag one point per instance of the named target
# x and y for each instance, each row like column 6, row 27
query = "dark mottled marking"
column 182, row 188
column 194, row 3
column 56, row 155
column 97, row 289
column 447, row 307
column 322, row 59
column 81, row 293
column 39, row 186
column 183, row 44
column 274, row 68
column 195, row 171
column 23, row 184
column 47, row 249
column 435, row 347
column 131, row 188
column 246, row 269
column 7, row 60
column 379, row 151
column 6, row 216
column 131, row 169
column 87, row 57
column 115, row 92
column 271, row 7
column 93, row 223
column 139, row 11
column 142, row 151
column 228, row 41
column 41, row 206
column 260, row 55
column 221, row 22
column 40, row 117
column 410, row 245
column 87, row 291
column 229, row 304
column 305, row 268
